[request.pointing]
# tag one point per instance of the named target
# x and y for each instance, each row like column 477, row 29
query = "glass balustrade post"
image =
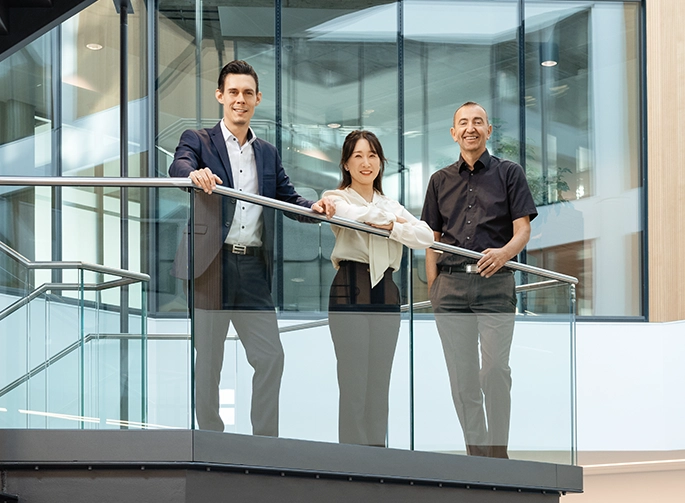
column 190, row 278
column 24, row 292
column 143, row 354
column 45, row 352
column 574, row 400
column 412, row 431
column 82, row 346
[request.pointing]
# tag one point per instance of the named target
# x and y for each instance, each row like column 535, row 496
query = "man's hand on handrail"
column 205, row 179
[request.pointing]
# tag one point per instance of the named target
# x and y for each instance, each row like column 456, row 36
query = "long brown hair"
column 347, row 151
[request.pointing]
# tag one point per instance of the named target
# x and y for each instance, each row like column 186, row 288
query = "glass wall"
column 445, row 67
column 563, row 97
column 399, row 69
column 583, row 150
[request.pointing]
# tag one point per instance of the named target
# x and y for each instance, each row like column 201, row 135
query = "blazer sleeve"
column 188, row 155
column 277, row 184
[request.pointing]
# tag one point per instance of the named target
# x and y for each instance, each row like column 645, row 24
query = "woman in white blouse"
column 364, row 302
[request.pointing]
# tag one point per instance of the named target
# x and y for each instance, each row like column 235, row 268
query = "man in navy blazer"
column 233, row 248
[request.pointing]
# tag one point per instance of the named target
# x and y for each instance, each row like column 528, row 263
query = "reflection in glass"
column 456, row 52
column 26, row 110
column 582, row 149
column 90, row 91
column 339, row 74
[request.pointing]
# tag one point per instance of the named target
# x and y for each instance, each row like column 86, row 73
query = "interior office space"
column 596, row 128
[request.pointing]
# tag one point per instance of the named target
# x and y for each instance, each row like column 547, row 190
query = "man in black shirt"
column 480, row 203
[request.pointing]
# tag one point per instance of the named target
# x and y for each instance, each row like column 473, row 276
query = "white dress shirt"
column 246, row 228
column 379, row 252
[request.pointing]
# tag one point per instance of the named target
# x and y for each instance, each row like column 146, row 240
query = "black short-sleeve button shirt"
column 476, row 209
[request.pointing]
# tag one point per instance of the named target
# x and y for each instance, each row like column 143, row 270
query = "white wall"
column 631, row 386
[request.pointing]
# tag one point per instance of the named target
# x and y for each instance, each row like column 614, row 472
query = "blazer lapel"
column 220, row 146
column 259, row 162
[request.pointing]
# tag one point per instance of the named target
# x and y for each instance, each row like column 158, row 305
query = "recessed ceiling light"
column 549, row 63
column 333, row 125
column 93, row 47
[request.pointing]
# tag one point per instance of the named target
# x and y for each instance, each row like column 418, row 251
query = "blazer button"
column 227, row 224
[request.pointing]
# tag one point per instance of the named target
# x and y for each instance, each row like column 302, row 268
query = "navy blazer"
column 214, row 213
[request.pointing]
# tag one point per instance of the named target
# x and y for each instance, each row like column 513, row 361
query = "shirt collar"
column 251, row 137
column 356, row 194
column 482, row 162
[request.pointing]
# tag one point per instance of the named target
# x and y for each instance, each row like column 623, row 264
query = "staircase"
column 22, row 21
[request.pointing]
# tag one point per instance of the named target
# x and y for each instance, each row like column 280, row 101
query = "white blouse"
column 377, row 251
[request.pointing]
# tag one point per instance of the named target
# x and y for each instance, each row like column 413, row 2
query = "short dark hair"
column 471, row 104
column 239, row 67
column 347, row 151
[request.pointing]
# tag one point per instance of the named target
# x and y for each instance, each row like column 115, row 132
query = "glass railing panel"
column 309, row 385
column 110, row 355
column 400, row 413
column 112, row 345
column 83, row 360
column 14, row 337
column 165, row 215
column 535, row 420
column 56, row 358
column 314, row 367
column 543, row 404
column 241, row 302
column 59, row 364
column 35, row 392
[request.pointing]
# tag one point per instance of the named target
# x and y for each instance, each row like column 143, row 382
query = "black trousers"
column 235, row 289
column 364, row 324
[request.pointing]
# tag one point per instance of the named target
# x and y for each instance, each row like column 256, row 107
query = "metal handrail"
column 126, row 278
column 264, row 201
column 86, row 266
column 15, row 306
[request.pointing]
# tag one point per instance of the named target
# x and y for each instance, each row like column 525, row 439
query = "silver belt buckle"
column 472, row 268
column 239, row 249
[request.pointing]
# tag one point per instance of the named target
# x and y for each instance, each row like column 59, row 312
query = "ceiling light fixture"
column 93, row 47
column 549, row 54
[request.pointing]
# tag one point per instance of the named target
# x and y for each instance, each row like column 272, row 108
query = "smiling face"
column 471, row 130
column 364, row 165
column 239, row 98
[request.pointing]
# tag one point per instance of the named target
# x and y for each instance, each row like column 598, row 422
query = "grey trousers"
column 364, row 324
column 235, row 289
column 469, row 310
